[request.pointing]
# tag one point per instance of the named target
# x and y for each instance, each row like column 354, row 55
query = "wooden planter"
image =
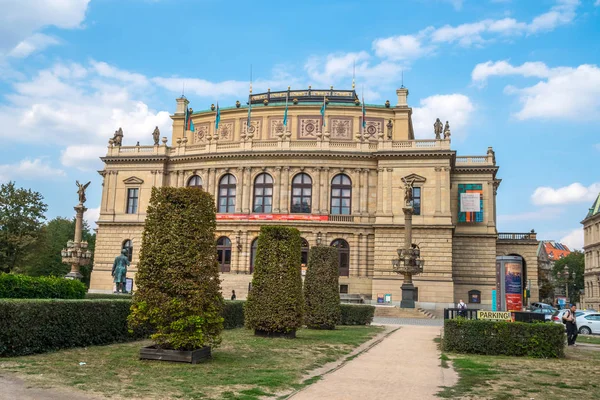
column 287, row 335
column 193, row 356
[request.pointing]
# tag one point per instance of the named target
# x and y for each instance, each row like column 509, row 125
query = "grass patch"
column 444, row 360
column 501, row 377
column 245, row 367
column 588, row 339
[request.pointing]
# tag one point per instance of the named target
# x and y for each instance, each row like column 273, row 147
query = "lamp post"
column 409, row 260
column 77, row 254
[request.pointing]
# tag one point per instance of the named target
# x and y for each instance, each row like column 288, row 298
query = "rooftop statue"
column 447, row 131
column 118, row 138
column 437, row 128
column 81, row 191
column 156, row 136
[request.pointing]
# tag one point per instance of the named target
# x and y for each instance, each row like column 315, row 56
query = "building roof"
column 556, row 250
column 595, row 209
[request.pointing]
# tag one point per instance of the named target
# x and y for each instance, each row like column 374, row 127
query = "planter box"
column 287, row 335
column 193, row 356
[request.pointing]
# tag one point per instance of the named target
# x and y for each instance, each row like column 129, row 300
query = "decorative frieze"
column 309, row 127
column 341, row 128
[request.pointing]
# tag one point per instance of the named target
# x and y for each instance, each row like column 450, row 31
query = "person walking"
column 570, row 320
column 233, row 296
column 462, row 309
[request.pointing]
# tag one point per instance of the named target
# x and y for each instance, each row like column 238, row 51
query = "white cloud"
column 83, row 157
column 597, row 3
column 574, row 239
column 28, row 169
column 573, row 193
column 538, row 215
column 20, row 20
column 483, row 71
column 401, row 47
column 455, row 108
column 91, row 216
column 36, row 42
column 457, row 4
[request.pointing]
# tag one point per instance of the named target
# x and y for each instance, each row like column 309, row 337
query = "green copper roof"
column 291, row 106
column 595, row 208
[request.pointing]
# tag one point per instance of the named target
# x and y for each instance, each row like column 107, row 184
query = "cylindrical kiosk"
column 509, row 283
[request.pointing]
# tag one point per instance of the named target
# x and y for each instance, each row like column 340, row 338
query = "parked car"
column 548, row 312
column 558, row 316
column 538, row 305
column 589, row 323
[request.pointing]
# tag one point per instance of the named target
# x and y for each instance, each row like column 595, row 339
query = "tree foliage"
column 179, row 294
column 574, row 265
column 21, row 216
column 275, row 303
column 321, row 288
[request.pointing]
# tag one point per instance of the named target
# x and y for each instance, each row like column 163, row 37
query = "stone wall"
column 474, row 267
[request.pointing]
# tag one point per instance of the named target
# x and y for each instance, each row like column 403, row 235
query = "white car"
column 558, row 317
column 589, row 323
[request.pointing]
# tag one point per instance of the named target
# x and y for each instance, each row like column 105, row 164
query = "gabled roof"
column 555, row 250
column 595, row 208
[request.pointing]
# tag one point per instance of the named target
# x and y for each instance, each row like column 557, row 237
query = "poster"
column 513, row 286
column 470, row 202
column 379, row 297
column 494, row 305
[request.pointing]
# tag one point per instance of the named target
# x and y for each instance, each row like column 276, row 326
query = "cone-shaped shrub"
column 275, row 303
column 321, row 289
column 179, row 294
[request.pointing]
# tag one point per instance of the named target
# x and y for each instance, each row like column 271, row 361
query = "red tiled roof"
column 554, row 253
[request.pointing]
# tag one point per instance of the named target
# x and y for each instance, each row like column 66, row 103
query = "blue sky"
column 521, row 76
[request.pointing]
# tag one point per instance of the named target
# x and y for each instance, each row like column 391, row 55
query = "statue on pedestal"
column 390, row 127
column 81, row 191
column 119, row 271
column 447, row 131
column 118, row 138
column 156, row 136
column 408, row 192
column 437, row 128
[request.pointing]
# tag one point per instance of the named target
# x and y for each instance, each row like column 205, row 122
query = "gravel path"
column 13, row 388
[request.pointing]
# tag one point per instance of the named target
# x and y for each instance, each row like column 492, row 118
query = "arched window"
column 305, row 249
column 301, row 194
column 343, row 256
column 195, row 181
column 263, row 194
column 253, row 249
column 128, row 245
column 341, row 195
column 224, row 253
column 227, row 193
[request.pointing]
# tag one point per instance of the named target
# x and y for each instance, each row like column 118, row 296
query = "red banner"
column 514, row 302
column 273, row 217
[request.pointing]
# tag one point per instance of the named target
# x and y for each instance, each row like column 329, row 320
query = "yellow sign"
column 494, row 315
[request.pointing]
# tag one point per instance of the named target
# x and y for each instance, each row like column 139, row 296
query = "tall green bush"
column 321, row 289
column 543, row 340
column 13, row 286
column 275, row 303
column 179, row 293
column 357, row 314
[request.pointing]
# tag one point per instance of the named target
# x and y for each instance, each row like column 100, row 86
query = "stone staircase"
column 397, row 312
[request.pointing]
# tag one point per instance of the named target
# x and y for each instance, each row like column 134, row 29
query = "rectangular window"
column 467, row 208
column 344, row 289
column 132, row 201
column 416, row 203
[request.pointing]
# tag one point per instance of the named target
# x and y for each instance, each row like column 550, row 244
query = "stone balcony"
column 518, row 237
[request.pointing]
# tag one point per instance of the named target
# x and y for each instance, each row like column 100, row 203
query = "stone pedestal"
column 408, row 296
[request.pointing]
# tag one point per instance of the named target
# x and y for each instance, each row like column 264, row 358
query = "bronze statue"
column 118, row 138
column 156, row 136
column 81, row 191
column 437, row 128
column 447, row 131
column 119, row 271
column 408, row 192
column 390, row 126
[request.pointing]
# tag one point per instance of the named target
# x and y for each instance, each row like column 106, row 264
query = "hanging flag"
column 286, row 110
column 323, row 111
column 218, row 118
column 189, row 124
column 364, row 115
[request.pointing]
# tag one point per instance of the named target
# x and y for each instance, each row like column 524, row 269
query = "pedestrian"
column 570, row 319
column 462, row 309
column 233, row 297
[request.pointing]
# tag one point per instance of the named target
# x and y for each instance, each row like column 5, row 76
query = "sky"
column 520, row 76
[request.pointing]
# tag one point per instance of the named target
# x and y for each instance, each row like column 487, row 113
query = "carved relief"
column 309, row 127
column 201, row 132
column 341, row 128
column 374, row 127
column 276, row 127
column 254, row 129
column 225, row 131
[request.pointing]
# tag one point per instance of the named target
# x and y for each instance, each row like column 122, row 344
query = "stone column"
column 365, row 255
column 408, row 213
column 277, row 191
column 79, row 210
column 364, row 199
column 389, row 192
column 240, row 190
column 316, row 191
column 380, row 191
column 438, row 190
column 356, row 203
column 114, row 190
column 446, row 191
column 285, row 190
column 326, row 190
column 358, row 254
column 247, row 194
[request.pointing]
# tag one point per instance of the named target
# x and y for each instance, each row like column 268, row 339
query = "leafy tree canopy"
column 568, row 272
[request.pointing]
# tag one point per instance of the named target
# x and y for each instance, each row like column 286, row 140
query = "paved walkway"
column 408, row 321
column 405, row 365
column 13, row 388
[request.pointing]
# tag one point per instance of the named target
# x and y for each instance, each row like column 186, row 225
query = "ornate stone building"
column 337, row 178
column 591, row 247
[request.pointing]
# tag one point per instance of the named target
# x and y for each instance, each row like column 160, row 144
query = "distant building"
column 591, row 247
column 549, row 251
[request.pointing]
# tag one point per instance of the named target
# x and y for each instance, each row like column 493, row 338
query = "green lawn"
column 500, row 377
column 244, row 367
column 588, row 339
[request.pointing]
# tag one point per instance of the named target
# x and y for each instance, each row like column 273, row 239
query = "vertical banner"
column 494, row 305
column 468, row 195
column 513, row 285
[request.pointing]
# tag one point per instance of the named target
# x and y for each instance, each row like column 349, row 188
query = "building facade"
column 335, row 170
column 591, row 248
column 549, row 251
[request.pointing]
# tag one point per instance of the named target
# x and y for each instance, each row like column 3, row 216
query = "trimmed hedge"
column 108, row 296
column 275, row 303
column 178, row 286
column 321, row 289
column 37, row 326
column 233, row 314
column 541, row 340
column 13, row 286
column 356, row 314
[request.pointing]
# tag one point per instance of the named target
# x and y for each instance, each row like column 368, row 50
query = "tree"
column 568, row 272
column 321, row 288
column 21, row 216
column 275, row 304
column 179, row 292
